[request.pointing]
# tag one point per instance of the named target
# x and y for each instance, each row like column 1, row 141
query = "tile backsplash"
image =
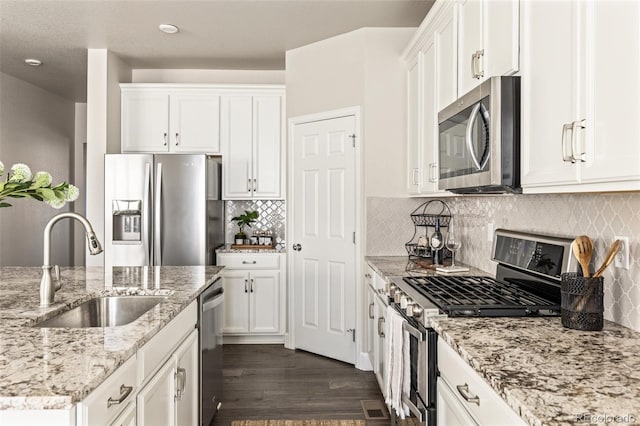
column 271, row 217
column 601, row 216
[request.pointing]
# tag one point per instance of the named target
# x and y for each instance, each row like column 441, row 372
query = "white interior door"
column 324, row 223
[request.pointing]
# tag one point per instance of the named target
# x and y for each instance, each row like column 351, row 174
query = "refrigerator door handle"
column 157, row 243
column 147, row 214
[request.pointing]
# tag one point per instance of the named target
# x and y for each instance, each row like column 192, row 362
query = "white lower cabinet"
column 380, row 351
column 155, row 402
column 464, row 398
column 127, row 417
column 253, row 285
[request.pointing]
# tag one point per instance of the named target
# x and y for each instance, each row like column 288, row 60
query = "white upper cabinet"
column 159, row 119
column 431, row 85
column 413, row 123
column 578, row 132
column 251, row 133
column 488, row 41
column 194, row 122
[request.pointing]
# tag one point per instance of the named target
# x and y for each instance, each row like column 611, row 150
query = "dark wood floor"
column 271, row 382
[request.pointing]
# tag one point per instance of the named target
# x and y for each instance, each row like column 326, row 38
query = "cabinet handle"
column 433, row 170
column 181, row 382
column 474, row 57
column 245, row 286
column 414, row 180
column 370, row 311
column 125, row 391
column 177, row 138
column 468, row 396
column 255, row 186
column 479, row 70
column 567, row 158
column 248, row 185
column 380, row 322
column 251, row 286
column 574, row 137
column 244, row 262
column 164, row 137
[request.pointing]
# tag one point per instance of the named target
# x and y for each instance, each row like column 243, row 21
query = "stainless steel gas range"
column 527, row 284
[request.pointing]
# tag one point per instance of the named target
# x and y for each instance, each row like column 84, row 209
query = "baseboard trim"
column 253, row 340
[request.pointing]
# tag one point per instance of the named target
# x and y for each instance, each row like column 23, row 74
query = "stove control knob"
column 410, row 309
column 392, row 290
column 417, row 311
column 397, row 296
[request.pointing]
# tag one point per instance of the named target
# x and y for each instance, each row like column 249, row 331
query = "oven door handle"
column 418, row 412
column 420, row 335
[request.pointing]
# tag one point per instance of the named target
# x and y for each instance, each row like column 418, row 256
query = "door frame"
column 361, row 358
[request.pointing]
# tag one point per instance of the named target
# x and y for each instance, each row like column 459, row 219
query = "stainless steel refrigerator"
column 162, row 209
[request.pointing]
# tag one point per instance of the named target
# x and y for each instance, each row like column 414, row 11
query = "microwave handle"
column 472, row 119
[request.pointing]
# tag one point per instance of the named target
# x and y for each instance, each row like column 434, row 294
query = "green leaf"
column 5, row 204
column 47, row 194
column 1, row 186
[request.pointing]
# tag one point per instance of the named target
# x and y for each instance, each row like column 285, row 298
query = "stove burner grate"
column 482, row 296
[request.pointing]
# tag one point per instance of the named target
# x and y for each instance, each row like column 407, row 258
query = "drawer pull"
column 371, row 310
column 181, row 382
column 125, row 391
column 468, row 396
column 253, row 262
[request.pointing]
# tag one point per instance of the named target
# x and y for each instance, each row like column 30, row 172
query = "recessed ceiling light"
column 33, row 62
column 168, row 28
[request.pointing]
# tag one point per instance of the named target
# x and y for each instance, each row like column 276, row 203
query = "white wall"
column 104, row 72
column 385, row 106
column 36, row 128
column 208, row 76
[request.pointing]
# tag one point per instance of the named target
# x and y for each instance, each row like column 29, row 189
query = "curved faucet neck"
column 47, row 232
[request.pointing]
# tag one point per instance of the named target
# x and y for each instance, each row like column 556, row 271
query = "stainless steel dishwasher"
column 211, row 320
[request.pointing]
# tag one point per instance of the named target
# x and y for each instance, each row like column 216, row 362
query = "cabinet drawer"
column 152, row 355
column 250, row 261
column 462, row 379
column 111, row 397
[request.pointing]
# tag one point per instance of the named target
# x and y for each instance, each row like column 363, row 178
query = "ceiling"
column 214, row 34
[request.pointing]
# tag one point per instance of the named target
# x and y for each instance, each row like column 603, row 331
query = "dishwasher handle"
column 215, row 301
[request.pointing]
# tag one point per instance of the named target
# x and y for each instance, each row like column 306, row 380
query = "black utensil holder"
column 582, row 302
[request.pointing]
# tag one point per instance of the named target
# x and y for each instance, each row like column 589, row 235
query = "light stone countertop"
column 54, row 368
column 548, row 374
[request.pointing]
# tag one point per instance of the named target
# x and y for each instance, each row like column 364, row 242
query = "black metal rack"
column 423, row 218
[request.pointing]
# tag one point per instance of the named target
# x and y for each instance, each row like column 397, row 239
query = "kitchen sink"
column 106, row 311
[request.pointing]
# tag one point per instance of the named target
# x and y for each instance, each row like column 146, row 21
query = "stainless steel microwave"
column 479, row 139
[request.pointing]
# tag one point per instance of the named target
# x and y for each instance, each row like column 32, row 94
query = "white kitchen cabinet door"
column 267, row 147
column 488, row 41
column 548, row 91
column 236, row 311
column 470, row 43
column 195, row 122
column 372, row 335
column 413, row 122
column 446, row 39
column 156, row 406
column 187, row 382
column 127, row 418
column 236, row 134
column 380, row 350
column 430, row 135
column 264, row 302
column 145, row 121
column 612, row 93
column 450, row 410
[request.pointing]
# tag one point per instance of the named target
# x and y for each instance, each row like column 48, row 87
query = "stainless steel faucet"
column 47, row 288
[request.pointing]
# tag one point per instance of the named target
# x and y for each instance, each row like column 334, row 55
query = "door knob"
column 297, row 247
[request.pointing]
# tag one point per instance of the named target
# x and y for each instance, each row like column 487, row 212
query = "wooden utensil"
column 613, row 250
column 583, row 251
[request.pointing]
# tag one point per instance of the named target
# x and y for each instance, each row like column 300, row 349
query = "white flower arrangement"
column 21, row 183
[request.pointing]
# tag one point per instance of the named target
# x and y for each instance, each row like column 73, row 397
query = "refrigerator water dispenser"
column 127, row 221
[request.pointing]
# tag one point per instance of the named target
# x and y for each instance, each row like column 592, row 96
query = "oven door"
column 422, row 397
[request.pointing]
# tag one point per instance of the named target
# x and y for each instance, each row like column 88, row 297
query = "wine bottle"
column 436, row 242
